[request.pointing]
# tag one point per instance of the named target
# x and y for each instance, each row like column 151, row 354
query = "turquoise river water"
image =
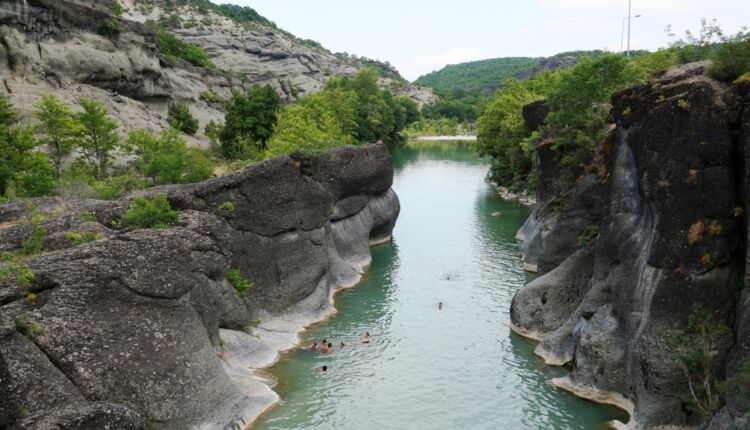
column 455, row 368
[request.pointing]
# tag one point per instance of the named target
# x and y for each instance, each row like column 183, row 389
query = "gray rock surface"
column 131, row 328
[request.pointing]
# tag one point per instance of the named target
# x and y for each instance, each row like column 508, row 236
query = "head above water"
column 325, row 368
column 330, row 345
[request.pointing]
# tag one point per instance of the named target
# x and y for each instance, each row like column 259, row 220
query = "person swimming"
column 324, row 369
column 313, row 346
column 440, row 306
column 341, row 345
column 366, row 338
column 323, row 346
column 330, row 347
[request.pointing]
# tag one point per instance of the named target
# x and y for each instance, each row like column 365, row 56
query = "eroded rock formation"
column 142, row 328
column 666, row 197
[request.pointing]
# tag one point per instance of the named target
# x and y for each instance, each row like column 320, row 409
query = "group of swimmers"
column 327, row 347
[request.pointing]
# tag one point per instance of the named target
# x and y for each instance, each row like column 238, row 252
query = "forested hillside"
column 488, row 75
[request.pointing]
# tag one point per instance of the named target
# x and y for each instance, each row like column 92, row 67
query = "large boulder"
column 668, row 212
column 126, row 331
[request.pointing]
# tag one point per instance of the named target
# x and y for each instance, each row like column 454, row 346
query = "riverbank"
column 457, row 138
column 246, row 355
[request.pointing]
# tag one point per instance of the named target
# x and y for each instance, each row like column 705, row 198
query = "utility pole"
column 622, row 33
column 630, row 15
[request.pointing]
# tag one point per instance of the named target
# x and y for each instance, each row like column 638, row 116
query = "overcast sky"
column 419, row 36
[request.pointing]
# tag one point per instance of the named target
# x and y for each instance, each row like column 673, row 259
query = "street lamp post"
column 622, row 33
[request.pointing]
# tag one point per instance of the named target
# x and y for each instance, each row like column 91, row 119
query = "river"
column 455, row 368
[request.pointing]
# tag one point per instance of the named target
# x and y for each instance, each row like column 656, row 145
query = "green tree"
column 301, row 128
column 98, row 139
column 167, row 159
column 579, row 107
column 249, row 121
column 502, row 132
column 24, row 172
column 58, row 129
column 180, row 118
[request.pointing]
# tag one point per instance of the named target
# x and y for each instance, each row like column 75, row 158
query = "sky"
column 420, row 36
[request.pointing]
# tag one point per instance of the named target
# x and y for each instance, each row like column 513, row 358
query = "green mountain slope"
column 487, row 75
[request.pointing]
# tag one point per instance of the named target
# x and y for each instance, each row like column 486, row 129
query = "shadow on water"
column 460, row 367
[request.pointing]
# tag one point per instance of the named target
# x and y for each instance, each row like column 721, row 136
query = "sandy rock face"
column 129, row 327
column 672, row 166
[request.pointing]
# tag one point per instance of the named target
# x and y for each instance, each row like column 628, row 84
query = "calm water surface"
column 459, row 368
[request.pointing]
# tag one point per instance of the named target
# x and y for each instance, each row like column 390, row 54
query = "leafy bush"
column 149, row 213
column 303, row 129
column 180, row 118
column 33, row 243
column 110, row 27
column 27, row 326
column 173, row 50
column 20, row 273
column 116, row 7
column 240, row 284
column 84, row 237
column 118, row 186
column 167, row 159
column 731, row 59
column 695, row 352
column 227, row 207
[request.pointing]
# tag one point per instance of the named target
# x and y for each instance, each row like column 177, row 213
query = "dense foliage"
column 249, row 122
column 180, row 118
column 502, row 132
column 33, row 159
column 24, row 172
column 167, row 159
column 579, row 101
column 476, row 76
column 347, row 110
column 155, row 212
column 173, row 50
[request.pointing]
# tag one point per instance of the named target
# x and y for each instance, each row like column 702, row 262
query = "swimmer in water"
column 341, row 345
column 324, row 369
column 366, row 338
column 323, row 346
column 314, row 346
column 440, row 306
column 330, row 347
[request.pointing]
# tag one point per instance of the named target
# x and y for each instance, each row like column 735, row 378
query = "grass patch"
column 240, row 283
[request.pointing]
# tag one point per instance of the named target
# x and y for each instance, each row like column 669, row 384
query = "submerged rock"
column 140, row 328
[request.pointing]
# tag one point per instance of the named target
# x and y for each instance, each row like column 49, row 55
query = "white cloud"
column 426, row 63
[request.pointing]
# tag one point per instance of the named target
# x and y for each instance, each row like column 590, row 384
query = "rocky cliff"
column 69, row 48
column 142, row 328
column 655, row 227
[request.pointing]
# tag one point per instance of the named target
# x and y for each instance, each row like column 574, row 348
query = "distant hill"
column 485, row 76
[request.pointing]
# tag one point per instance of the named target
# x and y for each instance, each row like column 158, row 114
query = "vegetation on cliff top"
column 579, row 102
